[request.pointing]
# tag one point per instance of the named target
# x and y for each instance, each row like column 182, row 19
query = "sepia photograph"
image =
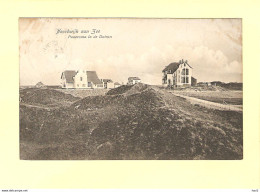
column 130, row 89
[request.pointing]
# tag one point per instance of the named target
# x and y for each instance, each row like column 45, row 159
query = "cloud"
column 141, row 48
column 208, row 64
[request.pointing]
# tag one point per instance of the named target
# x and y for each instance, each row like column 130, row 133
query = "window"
column 183, row 72
column 185, row 75
column 81, row 78
column 187, row 71
column 77, row 85
column 89, row 84
column 169, row 81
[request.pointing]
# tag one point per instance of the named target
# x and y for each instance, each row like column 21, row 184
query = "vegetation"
column 129, row 122
column 227, row 97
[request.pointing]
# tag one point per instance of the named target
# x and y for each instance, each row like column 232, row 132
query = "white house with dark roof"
column 108, row 83
column 80, row 79
column 133, row 80
column 40, row 85
column 116, row 84
column 177, row 74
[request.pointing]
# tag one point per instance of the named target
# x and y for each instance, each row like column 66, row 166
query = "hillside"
column 45, row 97
column 129, row 122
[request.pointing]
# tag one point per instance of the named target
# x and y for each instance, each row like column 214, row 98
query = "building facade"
column 177, row 74
column 108, row 83
column 133, row 80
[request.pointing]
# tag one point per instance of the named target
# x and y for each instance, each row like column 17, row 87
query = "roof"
column 133, row 78
column 91, row 76
column 39, row 83
column 107, row 80
column 172, row 66
column 69, row 76
column 175, row 65
column 116, row 83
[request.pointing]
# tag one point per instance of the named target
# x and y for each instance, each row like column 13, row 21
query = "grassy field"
column 229, row 97
column 83, row 92
column 130, row 122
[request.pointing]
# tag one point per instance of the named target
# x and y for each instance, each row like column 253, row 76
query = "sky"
column 129, row 47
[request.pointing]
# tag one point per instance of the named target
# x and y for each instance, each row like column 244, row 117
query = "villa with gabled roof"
column 177, row 74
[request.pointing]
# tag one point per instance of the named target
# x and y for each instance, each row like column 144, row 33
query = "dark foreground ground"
column 130, row 122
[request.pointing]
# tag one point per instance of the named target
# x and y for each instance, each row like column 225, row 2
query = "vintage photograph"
column 130, row 89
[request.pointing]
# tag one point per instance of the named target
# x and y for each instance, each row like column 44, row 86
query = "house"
column 133, row 80
column 177, row 74
column 80, row 79
column 116, row 84
column 40, row 85
column 108, row 83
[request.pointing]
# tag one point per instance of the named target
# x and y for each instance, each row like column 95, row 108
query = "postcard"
column 130, row 89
